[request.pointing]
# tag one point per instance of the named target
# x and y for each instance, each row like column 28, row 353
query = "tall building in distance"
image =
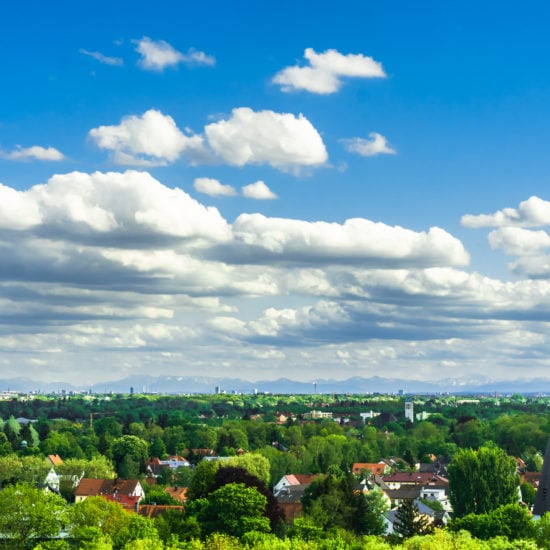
column 409, row 410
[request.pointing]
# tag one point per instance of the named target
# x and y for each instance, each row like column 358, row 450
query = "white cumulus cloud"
column 264, row 137
column 325, row 71
column 213, row 187
column 357, row 240
column 128, row 205
column 531, row 213
column 517, row 241
column 259, row 191
column 156, row 55
column 148, row 140
column 377, row 144
column 36, row 152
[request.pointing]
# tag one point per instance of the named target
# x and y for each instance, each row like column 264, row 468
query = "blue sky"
column 259, row 190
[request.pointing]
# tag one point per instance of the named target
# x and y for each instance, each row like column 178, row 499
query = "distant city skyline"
column 244, row 190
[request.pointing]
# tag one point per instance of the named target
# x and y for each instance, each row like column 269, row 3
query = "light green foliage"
column 29, row 469
column 254, row 463
column 304, row 528
column 98, row 467
column 155, row 494
column 28, row 513
column 203, row 479
column 443, row 540
column 234, row 509
column 53, row 545
column 281, row 463
column 511, row 521
column 136, row 528
column 94, row 516
column 482, row 480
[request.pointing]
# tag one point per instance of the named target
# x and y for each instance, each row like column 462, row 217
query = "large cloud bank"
column 118, row 263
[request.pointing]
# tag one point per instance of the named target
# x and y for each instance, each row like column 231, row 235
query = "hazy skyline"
column 295, row 190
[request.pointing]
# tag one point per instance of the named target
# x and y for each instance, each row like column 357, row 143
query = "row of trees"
column 231, row 517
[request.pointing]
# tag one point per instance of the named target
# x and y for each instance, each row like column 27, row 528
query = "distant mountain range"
column 195, row 384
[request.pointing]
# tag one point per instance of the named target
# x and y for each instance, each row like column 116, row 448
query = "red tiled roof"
column 93, row 487
column 88, row 487
column 300, row 479
column 418, row 478
column 127, row 502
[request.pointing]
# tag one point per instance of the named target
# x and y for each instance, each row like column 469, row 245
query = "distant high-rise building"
column 132, row 391
column 409, row 410
column 542, row 500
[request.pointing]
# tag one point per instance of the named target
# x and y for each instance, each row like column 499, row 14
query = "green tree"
column 255, row 464
column 482, row 480
column 129, row 455
column 528, row 493
column 542, row 531
column 156, row 494
column 409, row 522
column 177, row 524
column 96, row 517
column 232, row 474
column 371, row 512
column 203, row 479
column 234, row 510
column 511, row 521
column 29, row 514
column 5, row 445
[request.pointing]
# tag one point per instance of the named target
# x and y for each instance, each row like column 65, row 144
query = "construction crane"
column 92, row 417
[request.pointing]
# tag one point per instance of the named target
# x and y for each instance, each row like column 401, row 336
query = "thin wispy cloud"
column 105, row 59
column 157, row 55
column 36, row 152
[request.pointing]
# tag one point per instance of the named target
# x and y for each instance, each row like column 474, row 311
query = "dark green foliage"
column 334, row 502
column 175, row 523
column 129, row 455
column 528, row 494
